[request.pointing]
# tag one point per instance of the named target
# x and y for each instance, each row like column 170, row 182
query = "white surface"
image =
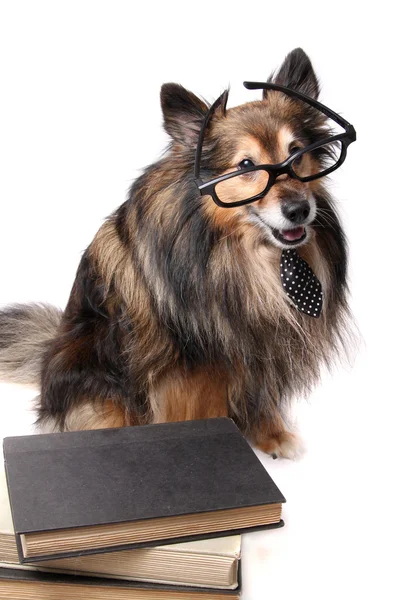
column 80, row 117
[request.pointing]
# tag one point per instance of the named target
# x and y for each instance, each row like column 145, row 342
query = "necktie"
column 301, row 284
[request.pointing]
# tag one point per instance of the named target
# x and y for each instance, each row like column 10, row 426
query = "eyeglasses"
column 304, row 164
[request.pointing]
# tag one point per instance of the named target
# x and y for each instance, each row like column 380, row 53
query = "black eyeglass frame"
column 282, row 168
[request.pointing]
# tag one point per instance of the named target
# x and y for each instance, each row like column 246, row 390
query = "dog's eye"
column 245, row 163
column 294, row 149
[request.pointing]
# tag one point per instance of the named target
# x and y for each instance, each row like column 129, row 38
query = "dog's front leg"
column 272, row 436
column 186, row 394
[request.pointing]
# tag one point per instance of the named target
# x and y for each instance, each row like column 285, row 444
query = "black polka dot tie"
column 301, row 284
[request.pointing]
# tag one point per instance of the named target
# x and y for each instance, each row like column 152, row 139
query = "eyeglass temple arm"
column 261, row 85
column 257, row 85
column 200, row 140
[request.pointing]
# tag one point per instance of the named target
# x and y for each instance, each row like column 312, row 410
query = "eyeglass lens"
column 310, row 164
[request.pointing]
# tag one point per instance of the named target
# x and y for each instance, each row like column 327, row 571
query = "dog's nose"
column 296, row 211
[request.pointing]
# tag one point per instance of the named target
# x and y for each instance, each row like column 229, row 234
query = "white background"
column 80, row 117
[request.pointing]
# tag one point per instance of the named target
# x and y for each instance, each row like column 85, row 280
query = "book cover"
column 134, row 479
column 211, row 563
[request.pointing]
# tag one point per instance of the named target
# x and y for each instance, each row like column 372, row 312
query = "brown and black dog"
column 177, row 310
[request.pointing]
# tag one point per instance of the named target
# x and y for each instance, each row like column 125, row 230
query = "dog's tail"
column 26, row 331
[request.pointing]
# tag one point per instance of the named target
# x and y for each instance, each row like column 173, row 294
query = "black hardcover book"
column 96, row 491
column 27, row 585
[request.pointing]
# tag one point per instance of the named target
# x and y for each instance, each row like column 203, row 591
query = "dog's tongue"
column 292, row 234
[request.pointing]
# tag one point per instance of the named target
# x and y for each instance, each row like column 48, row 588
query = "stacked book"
column 138, row 513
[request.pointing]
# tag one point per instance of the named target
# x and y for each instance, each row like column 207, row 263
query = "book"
column 17, row 584
column 96, row 491
column 206, row 563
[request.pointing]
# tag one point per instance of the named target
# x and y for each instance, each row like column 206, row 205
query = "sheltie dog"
column 177, row 310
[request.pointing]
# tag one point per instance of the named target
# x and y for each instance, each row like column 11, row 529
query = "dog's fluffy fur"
column 177, row 310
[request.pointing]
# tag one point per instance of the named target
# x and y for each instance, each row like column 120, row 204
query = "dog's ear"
column 183, row 113
column 297, row 73
column 221, row 103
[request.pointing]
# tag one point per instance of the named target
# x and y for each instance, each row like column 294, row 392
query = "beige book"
column 211, row 563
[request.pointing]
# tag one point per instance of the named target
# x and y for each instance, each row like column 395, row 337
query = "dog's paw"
column 284, row 445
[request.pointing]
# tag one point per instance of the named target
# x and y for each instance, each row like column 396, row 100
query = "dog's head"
column 264, row 132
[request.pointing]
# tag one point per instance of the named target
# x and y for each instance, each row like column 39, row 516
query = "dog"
column 178, row 311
